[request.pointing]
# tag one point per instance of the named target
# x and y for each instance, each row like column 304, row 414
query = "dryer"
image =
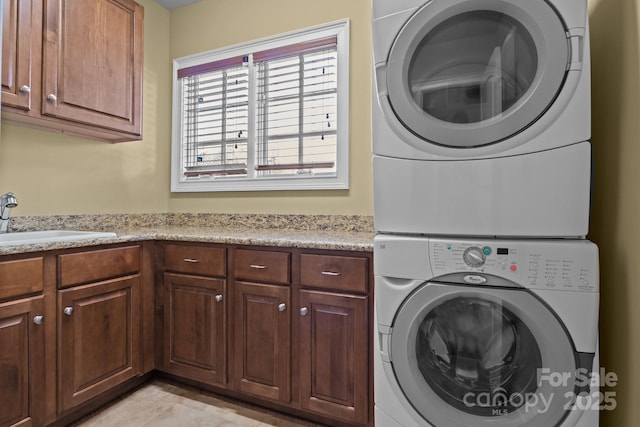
column 475, row 332
column 481, row 117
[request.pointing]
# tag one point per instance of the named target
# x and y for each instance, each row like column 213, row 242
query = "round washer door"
column 466, row 356
column 470, row 73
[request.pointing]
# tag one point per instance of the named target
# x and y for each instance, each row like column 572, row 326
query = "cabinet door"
column 22, row 363
column 16, row 53
column 92, row 62
column 194, row 328
column 262, row 340
column 98, row 338
column 334, row 357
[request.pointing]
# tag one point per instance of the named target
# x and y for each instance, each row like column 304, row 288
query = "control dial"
column 474, row 257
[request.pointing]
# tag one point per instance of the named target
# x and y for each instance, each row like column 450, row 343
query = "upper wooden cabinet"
column 17, row 44
column 74, row 66
column 92, row 62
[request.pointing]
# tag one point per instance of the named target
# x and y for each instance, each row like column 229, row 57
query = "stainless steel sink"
column 31, row 237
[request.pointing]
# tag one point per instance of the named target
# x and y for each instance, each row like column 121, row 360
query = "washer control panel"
column 544, row 264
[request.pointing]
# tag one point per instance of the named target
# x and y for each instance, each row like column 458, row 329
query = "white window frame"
column 254, row 182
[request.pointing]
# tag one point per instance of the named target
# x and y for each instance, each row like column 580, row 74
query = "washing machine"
column 482, row 104
column 478, row 333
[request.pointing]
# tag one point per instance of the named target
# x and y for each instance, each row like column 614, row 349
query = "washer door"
column 466, row 356
column 470, row 73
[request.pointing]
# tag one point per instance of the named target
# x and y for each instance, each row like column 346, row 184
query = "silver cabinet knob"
column 304, row 311
column 68, row 311
column 282, row 306
column 218, row 298
column 38, row 320
column 25, row 89
column 52, row 98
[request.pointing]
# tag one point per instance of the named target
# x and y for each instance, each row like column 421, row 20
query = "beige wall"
column 57, row 174
column 615, row 224
column 52, row 173
column 212, row 24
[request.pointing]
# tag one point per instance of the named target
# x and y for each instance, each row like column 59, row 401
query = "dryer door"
column 469, row 73
column 467, row 356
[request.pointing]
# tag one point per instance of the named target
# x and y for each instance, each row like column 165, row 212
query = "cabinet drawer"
column 21, row 277
column 262, row 266
column 334, row 272
column 91, row 266
column 202, row 260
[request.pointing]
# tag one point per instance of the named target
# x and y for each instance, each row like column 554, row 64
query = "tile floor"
column 160, row 403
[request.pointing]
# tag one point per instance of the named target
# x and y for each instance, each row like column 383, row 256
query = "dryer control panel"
column 546, row 264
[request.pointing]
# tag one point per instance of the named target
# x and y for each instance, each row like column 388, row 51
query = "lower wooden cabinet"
column 262, row 331
column 287, row 328
column 333, row 351
column 22, row 362
column 195, row 330
column 98, row 338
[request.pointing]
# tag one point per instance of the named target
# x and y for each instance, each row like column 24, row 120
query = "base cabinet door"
column 334, row 357
column 262, row 340
column 22, row 362
column 98, row 338
column 195, row 328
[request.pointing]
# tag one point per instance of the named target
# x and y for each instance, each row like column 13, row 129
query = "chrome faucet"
column 7, row 202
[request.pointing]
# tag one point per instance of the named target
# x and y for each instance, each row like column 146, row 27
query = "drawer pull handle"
column 258, row 266
column 330, row 273
column 219, row 298
column 191, row 260
column 68, row 311
column 304, row 311
column 282, row 306
column 38, row 320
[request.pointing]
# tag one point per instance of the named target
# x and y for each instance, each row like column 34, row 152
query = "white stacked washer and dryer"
column 486, row 289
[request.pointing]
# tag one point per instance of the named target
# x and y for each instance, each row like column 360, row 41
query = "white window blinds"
column 297, row 109
column 215, row 118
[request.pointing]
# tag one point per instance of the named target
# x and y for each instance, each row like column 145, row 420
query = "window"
column 265, row 115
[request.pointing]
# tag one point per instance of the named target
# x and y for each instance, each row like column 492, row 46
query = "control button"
column 474, row 257
column 486, row 250
column 513, row 267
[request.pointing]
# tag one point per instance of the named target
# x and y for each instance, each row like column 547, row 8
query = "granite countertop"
column 350, row 233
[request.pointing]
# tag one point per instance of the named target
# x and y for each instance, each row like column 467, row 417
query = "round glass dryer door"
column 474, row 356
column 469, row 73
